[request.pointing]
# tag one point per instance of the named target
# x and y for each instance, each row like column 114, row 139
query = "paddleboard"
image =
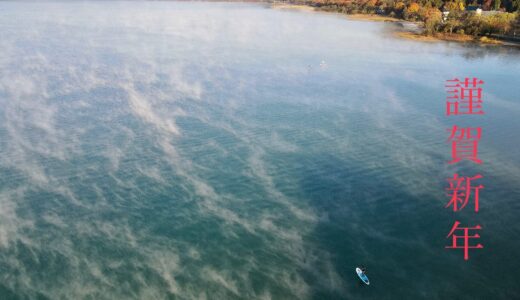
column 362, row 276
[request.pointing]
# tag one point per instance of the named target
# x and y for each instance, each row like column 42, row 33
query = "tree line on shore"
column 504, row 18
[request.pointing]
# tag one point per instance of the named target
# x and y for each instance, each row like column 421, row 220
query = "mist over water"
column 171, row 150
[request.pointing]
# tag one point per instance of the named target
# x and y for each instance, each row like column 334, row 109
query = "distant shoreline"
column 413, row 32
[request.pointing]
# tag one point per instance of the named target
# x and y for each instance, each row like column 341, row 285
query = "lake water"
column 162, row 150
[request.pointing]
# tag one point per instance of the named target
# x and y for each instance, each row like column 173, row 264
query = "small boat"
column 362, row 276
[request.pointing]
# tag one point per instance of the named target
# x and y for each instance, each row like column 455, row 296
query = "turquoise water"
column 166, row 150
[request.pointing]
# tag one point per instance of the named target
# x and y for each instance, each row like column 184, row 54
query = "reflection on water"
column 215, row 150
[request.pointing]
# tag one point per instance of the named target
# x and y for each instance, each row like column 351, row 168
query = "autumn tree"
column 411, row 11
column 432, row 18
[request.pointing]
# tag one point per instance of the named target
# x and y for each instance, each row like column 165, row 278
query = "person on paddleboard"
column 361, row 274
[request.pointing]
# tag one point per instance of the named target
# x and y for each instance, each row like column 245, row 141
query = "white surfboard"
column 362, row 276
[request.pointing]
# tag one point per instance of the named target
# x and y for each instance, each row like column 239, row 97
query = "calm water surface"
column 159, row 150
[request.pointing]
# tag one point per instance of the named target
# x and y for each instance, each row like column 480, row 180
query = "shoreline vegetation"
column 429, row 20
